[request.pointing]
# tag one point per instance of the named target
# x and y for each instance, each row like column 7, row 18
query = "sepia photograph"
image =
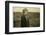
column 26, row 17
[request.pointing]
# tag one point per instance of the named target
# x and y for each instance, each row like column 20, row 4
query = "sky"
column 30, row 9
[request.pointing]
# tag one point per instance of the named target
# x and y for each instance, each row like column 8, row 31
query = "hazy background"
column 30, row 9
column 33, row 13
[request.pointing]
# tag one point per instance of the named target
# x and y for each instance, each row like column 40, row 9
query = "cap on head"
column 24, row 10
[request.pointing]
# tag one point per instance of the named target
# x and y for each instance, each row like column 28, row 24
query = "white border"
column 11, row 29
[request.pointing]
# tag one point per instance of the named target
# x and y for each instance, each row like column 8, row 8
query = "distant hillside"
column 34, row 19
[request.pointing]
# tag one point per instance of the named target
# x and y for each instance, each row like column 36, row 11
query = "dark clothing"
column 24, row 22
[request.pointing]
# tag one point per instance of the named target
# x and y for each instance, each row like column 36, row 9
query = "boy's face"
column 25, row 13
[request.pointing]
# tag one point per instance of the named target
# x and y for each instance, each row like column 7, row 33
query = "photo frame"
column 13, row 7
